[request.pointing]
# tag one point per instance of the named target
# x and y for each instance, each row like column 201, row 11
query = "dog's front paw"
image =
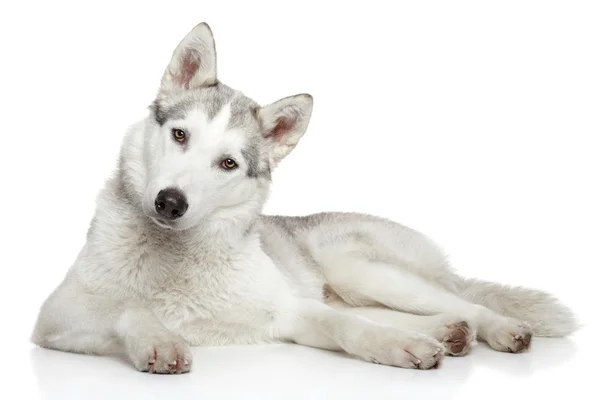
column 509, row 335
column 161, row 354
column 404, row 349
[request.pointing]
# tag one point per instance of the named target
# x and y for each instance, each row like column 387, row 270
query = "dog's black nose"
column 170, row 203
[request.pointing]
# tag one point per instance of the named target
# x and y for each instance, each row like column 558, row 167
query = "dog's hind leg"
column 312, row 323
column 377, row 250
column 361, row 282
column 75, row 321
column 451, row 330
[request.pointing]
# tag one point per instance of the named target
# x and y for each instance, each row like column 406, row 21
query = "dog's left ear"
column 283, row 123
column 194, row 62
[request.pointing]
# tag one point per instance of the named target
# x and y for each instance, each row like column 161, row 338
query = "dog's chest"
column 184, row 282
column 204, row 290
column 227, row 286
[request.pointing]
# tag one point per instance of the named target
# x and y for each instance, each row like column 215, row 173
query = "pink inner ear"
column 189, row 66
column 283, row 126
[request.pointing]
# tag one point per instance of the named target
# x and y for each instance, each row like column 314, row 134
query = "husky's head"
column 208, row 150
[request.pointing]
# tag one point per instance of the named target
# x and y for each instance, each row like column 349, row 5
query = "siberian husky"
column 179, row 255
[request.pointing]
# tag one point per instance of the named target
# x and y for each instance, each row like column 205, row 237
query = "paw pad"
column 458, row 339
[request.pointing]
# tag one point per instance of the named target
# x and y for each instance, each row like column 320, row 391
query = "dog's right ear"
column 194, row 62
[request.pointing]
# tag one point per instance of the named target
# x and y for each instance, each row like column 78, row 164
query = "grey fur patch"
column 256, row 159
column 242, row 113
column 162, row 114
column 217, row 97
column 252, row 159
column 210, row 99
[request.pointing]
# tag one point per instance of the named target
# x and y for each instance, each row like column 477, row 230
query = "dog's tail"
column 546, row 315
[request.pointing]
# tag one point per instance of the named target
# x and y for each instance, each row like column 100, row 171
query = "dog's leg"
column 454, row 333
column 75, row 321
column 312, row 323
column 362, row 282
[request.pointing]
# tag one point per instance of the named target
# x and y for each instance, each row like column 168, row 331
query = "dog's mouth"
column 163, row 223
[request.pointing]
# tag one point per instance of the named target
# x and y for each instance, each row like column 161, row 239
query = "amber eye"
column 178, row 135
column 228, row 163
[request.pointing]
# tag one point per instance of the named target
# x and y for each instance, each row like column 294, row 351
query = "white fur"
column 224, row 274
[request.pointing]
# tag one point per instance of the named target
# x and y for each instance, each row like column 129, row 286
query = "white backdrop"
column 474, row 122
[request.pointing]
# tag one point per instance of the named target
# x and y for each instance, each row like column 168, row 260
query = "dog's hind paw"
column 510, row 336
column 457, row 338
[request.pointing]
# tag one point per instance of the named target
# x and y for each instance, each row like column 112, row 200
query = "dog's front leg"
column 312, row 323
column 76, row 321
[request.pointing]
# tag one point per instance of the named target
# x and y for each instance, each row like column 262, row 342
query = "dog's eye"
column 228, row 163
column 178, row 135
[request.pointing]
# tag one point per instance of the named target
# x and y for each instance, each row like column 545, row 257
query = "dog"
column 178, row 254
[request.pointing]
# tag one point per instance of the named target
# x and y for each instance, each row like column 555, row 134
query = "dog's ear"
column 283, row 123
column 194, row 62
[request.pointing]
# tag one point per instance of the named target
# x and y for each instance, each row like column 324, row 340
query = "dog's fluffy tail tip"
column 546, row 315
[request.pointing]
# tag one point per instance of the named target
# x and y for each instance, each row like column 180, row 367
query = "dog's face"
column 210, row 154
